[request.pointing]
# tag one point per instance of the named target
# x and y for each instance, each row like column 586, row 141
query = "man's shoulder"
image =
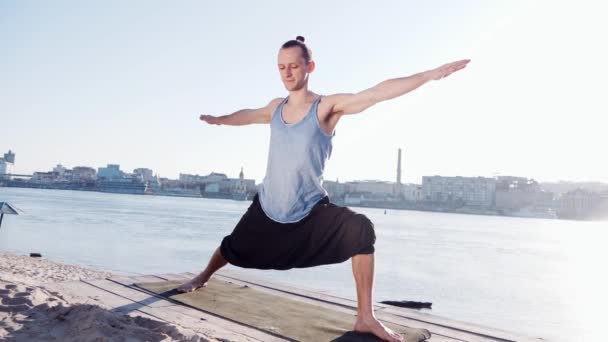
column 276, row 101
column 332, row 99
column 328, row 102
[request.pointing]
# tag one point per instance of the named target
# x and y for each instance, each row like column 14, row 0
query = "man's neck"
column 300, row 96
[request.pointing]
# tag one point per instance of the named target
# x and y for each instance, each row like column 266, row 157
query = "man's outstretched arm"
column 244, row 116
column 389, row 89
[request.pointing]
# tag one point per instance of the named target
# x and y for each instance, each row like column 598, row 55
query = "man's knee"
column 367, row 233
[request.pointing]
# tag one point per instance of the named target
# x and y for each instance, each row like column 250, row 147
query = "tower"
column 9, row 157
column 241, row 183
column 397, row 190
column 399, row 166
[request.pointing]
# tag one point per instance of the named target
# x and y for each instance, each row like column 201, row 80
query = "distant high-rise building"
column 60, row 169
column 147, row 175
column 373, row 187
column 9, row 157
column 210, row 178
column 472, row 191
column 6, row 164
column 109, row 172
column 84, row 173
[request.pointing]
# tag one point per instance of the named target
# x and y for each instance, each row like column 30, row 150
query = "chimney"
column 399, row 167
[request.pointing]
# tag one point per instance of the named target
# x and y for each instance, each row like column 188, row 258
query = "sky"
column 88, row 83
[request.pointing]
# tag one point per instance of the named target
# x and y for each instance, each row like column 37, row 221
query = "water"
column 542, row 278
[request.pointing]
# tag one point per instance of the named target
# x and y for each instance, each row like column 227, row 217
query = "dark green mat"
column 274, row 314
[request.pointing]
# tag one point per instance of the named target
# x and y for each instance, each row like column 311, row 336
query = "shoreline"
column 416, row 208
column 35, row 306
column 47, row 300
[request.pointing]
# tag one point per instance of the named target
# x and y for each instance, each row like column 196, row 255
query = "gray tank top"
column 296, row 160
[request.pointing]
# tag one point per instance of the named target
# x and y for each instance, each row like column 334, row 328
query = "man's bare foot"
column 195, row 283
column 371, row 325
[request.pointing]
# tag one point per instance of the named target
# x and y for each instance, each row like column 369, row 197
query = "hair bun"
column 300, row 39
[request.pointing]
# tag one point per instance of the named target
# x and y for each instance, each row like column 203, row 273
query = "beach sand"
column 35, row 307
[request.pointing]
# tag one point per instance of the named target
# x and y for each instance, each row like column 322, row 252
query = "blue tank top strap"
column 315, row 105
column 313, row 109
column 279, row 109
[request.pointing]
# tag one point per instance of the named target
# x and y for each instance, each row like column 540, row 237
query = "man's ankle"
column 202, row 275
column 366, row 314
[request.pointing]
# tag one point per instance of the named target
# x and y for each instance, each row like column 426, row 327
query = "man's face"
column 293, row 68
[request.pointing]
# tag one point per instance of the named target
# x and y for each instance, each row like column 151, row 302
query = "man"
column 291, row 222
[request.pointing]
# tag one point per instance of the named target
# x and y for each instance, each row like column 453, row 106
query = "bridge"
column 8, row 175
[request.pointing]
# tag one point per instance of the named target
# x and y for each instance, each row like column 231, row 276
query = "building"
column 563, row 187
column 516, row 193
column 128, row 184
column 63, row 174
column 219, row 185
column 410, row 192
column 459, row 191
column 146, row 174
column 580, row 204
column 219, row 182
column 44, row 177
column 83, row 174
column 109, row 172
column 6, row 168
column 60, row 169
column 354, row 198
column 375, row 188
column 196, row 179
column 360, row 191
column 335, row 190
column 6, row 164
column 9, row 157
column 235, row 185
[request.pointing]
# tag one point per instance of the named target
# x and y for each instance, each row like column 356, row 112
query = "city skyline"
column 505, row 195
column 396, row 177
column 125, row 83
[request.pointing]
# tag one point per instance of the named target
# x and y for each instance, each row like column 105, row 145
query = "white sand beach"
column 35, row 307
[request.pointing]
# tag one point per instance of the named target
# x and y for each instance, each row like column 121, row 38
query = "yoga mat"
column 274, row 314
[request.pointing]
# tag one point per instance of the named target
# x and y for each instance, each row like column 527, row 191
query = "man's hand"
column 447, row 69
column 210, row 119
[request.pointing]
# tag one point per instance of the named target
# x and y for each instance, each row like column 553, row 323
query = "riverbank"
column 34, row 306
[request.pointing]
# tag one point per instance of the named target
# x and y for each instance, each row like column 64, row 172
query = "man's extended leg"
column 363, row 271
column 217, row 261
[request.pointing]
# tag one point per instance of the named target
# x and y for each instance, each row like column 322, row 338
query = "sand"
column 33, row 309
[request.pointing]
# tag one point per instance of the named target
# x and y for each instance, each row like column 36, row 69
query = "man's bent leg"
column 363, row 271
column 217, row 261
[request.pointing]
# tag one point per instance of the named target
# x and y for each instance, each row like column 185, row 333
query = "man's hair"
column 299, row 41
